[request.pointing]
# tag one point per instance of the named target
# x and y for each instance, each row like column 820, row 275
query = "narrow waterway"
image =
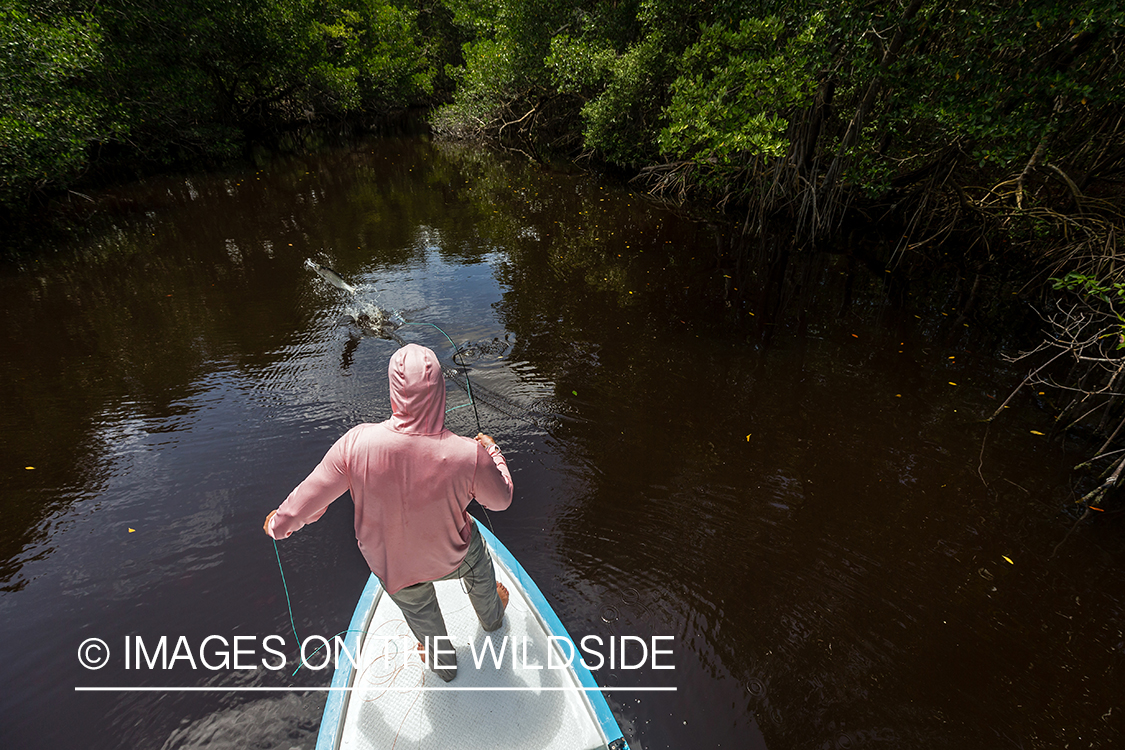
column 803, row 500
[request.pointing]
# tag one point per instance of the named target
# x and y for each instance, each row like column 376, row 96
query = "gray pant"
column 419, row 604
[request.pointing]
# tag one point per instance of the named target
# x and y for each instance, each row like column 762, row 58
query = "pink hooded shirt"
column 411, row 480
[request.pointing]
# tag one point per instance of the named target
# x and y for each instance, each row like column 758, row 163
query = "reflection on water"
column 289, row 721
column 786, row 477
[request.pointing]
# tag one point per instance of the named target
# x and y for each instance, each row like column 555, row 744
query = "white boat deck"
column 513, row 706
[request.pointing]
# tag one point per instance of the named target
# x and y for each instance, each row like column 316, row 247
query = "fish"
column 331, row 276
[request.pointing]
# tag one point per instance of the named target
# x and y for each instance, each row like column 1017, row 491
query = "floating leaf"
column 29, row 468
column 131, row 530
column 1007, row 558
column 1036, row 432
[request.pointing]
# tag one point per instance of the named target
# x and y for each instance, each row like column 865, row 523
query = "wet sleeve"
column 312, row 497
column 493, row 484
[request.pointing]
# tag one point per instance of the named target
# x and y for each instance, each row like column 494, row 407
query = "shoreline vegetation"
column 983, row 142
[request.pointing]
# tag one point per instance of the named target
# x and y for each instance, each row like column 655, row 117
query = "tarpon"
column 331, row 276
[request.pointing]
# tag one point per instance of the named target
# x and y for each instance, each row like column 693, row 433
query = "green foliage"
column 528, row 51
column 723, row 84
column 579, row 66
column 1110, row 293
column 503, row 59
column 623, row 120
column 263, row 64
column 382, row 46
column 997, row 79
column 735, row 87
column 484, row 83
column 48, row 115
column 194, row 77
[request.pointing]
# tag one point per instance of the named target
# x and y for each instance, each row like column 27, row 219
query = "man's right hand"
column 485, row 440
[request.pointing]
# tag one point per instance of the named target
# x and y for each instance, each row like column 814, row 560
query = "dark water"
column 813, row 521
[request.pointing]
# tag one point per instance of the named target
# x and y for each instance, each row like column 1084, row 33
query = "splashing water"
column 373, row 319
column 370, row 318
column 367, row 314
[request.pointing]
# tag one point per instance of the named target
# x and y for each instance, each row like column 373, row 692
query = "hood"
column 417, row 391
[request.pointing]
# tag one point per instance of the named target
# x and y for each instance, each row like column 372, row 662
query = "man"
column 411, row 481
